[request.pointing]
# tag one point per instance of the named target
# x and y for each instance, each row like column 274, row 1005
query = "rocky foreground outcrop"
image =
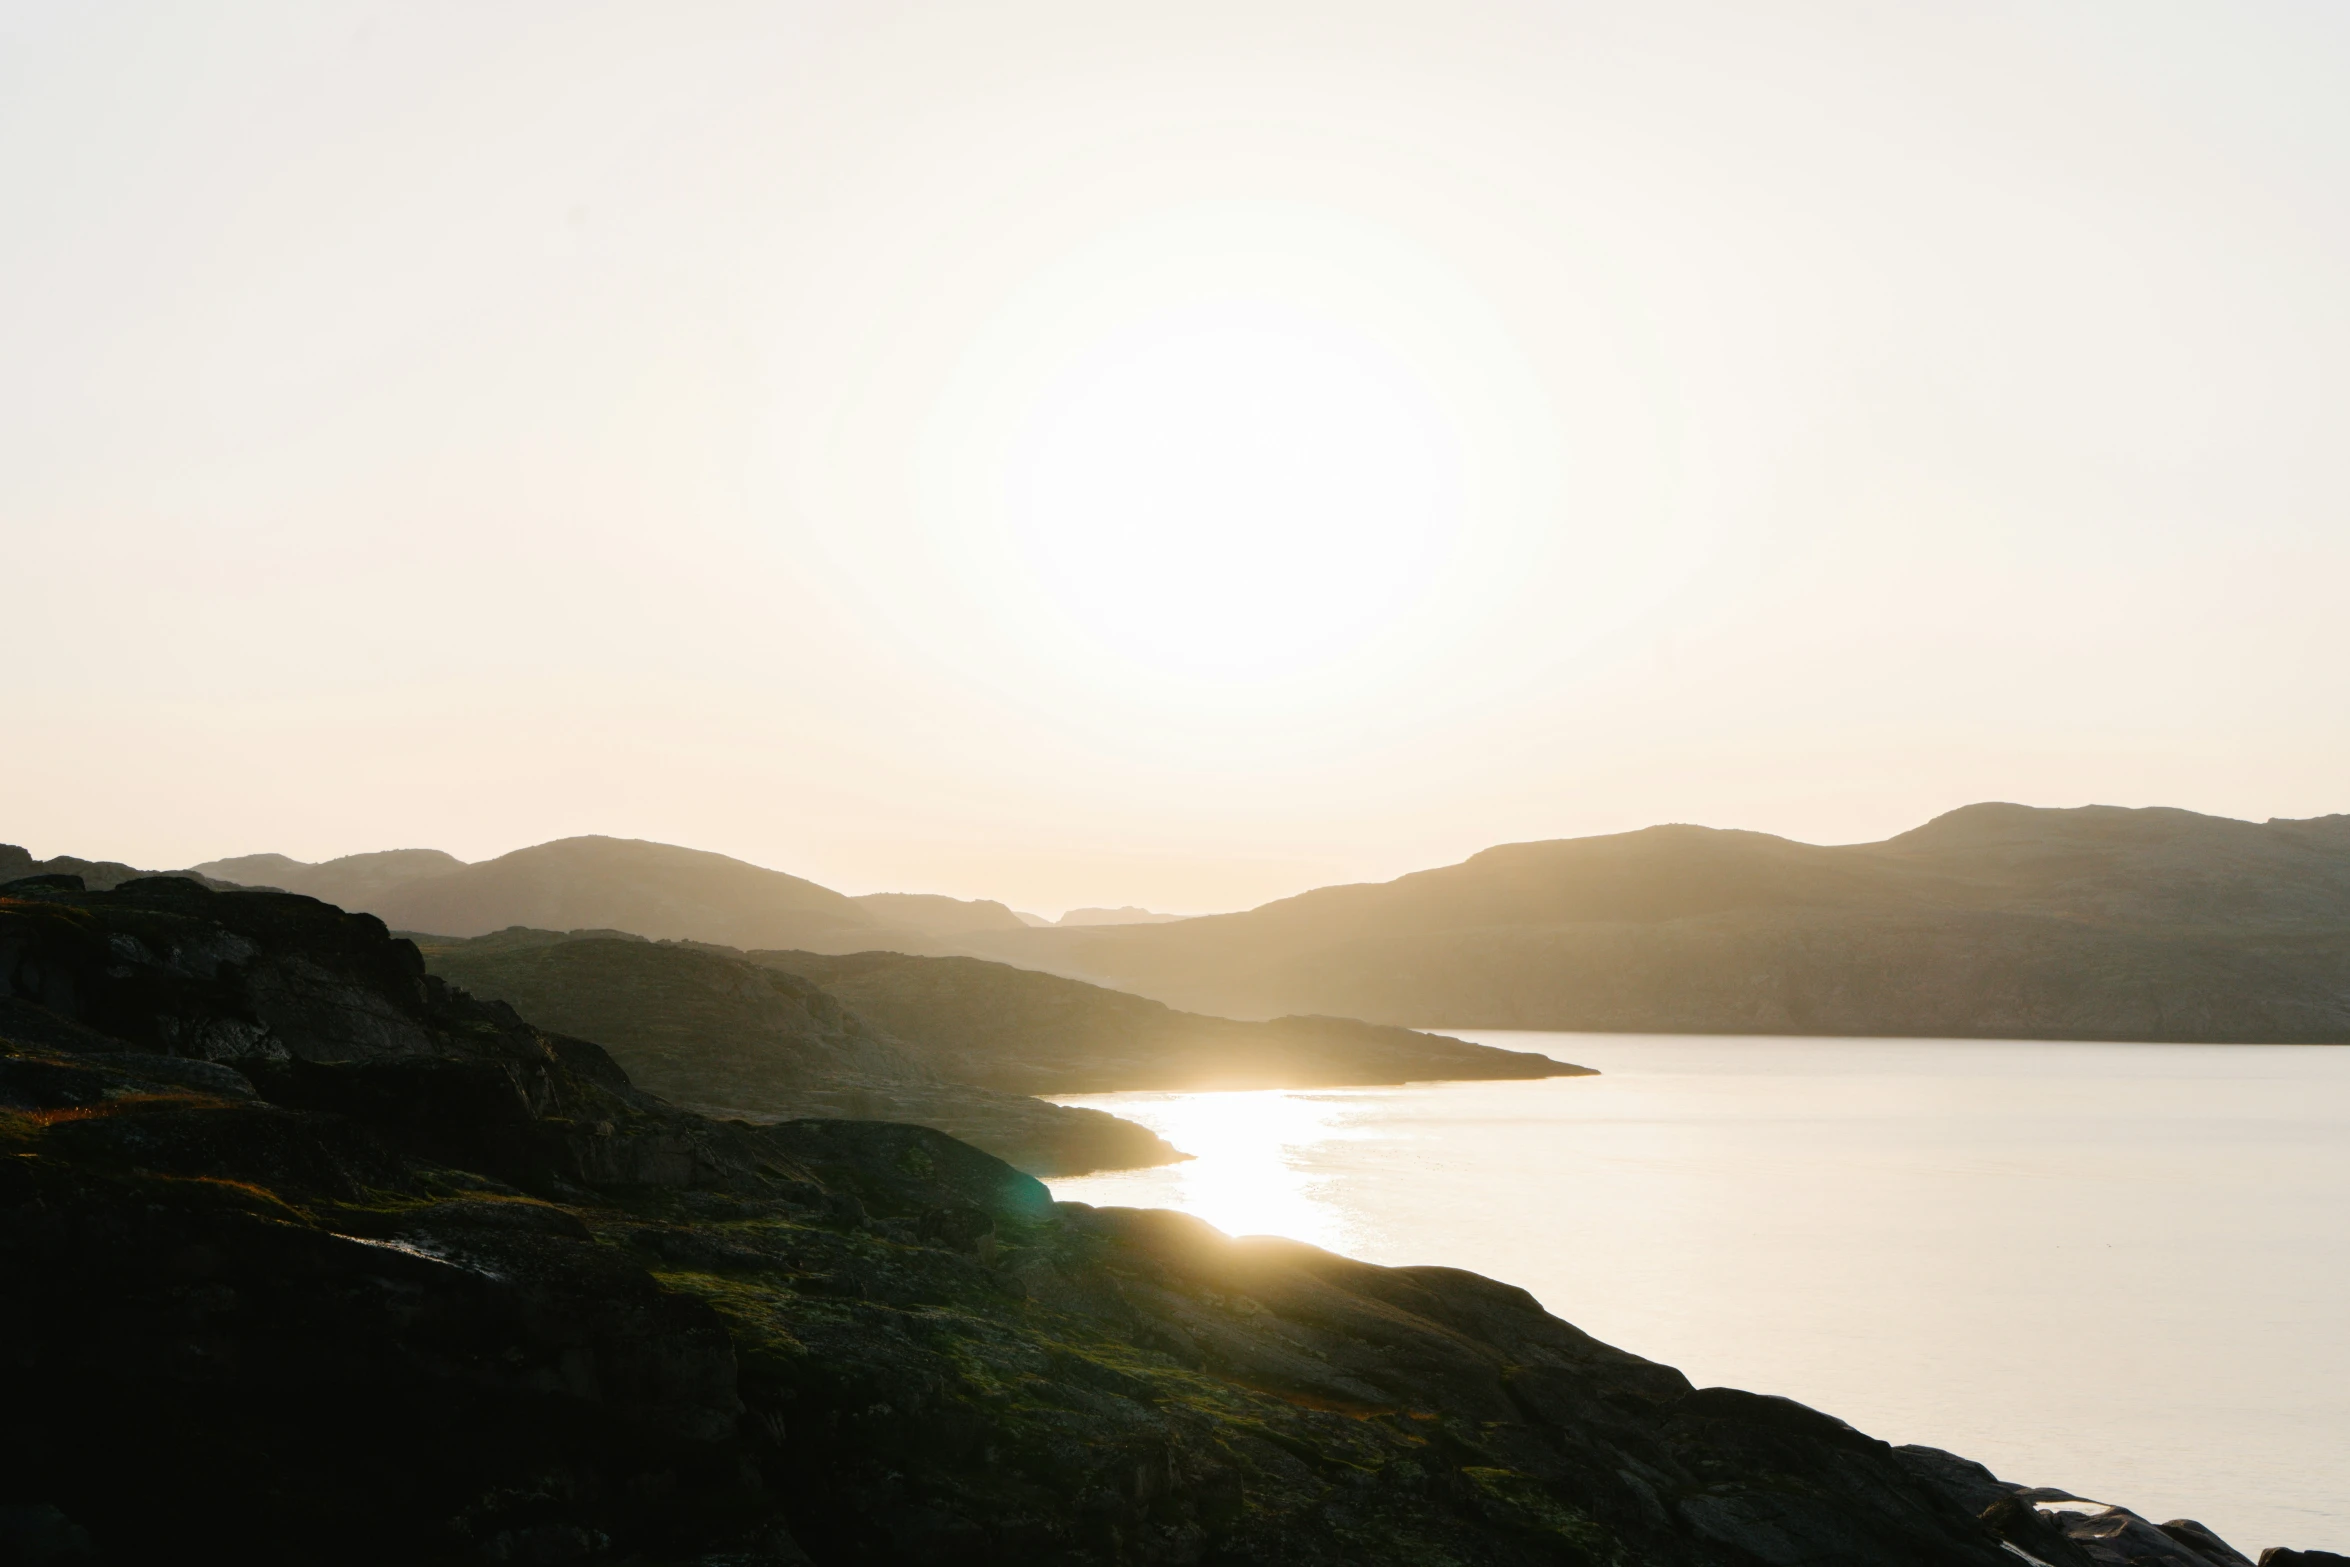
column 306, row 1257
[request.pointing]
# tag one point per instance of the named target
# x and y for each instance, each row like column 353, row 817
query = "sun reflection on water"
column 1255, row 1166
column 1823, row 1218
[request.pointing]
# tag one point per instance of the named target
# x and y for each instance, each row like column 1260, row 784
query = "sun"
column 1225, row 461
column 1233, row 490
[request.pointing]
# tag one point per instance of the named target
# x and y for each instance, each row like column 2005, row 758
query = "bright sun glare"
column 1218, row 450
column 1235, row 491
column 1253, row 1151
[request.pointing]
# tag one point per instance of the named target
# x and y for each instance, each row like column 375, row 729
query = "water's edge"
column 2115, row 1268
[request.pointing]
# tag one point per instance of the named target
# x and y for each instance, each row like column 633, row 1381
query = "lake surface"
column 2121, row 1269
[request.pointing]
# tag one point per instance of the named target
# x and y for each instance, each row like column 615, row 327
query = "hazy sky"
column 1174, row 454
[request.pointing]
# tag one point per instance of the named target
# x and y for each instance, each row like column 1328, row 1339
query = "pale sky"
column 1163, row 454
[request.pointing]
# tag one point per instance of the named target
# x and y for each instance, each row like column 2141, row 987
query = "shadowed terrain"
column 306, row 1255
column 707, row 1030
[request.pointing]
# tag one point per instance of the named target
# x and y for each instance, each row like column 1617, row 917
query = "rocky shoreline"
column 305, row 1255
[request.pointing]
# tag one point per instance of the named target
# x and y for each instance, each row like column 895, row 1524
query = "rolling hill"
column 352, row 882
column 710, row 1031
column 1993, row 920
column 1034, row 1033
column 952, row 1043
column 936, row 914
column 652, row 889
column 656, row 890
column 98, row 875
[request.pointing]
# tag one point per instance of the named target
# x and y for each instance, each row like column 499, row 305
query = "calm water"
column 2122, row 1269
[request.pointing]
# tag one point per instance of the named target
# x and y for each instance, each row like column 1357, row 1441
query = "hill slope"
column 352, row 882
column 2097, row 923
column 650, row 889
column 1038, row 1033
column 656, row 890
column 936, row 914
column 726, row 1037
column 1128, row 915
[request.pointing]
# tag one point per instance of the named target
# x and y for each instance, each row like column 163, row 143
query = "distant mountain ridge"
column 1127, row 915
column 938, row 914
column 656, row 890
column 1993, row 920
column 692, row 894
column 352, row 882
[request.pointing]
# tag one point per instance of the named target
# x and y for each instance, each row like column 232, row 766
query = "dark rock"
column 177, row 970
column 908, row 1170
column 546, row 1543
column 39, row 1536
column 2117, row 1537
column 690, row 1249
column 2278, row 1556
column 45, row 882
column 33, row 1084
column 2205, row 1543
column 2025, row 1527
column 474, row 1213
column 1767, row 1410
column 210, row 1076
column 958, row 1228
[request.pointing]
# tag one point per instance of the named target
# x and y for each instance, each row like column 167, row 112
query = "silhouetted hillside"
column 310, row 1258
column 717, row 1034
column 1993, row 920
column 1127, row 915
column 655, row 890
column 2096, row 923
column 98, row 875
column 352, row 882
column 1039, row 1033
column 651, row 889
